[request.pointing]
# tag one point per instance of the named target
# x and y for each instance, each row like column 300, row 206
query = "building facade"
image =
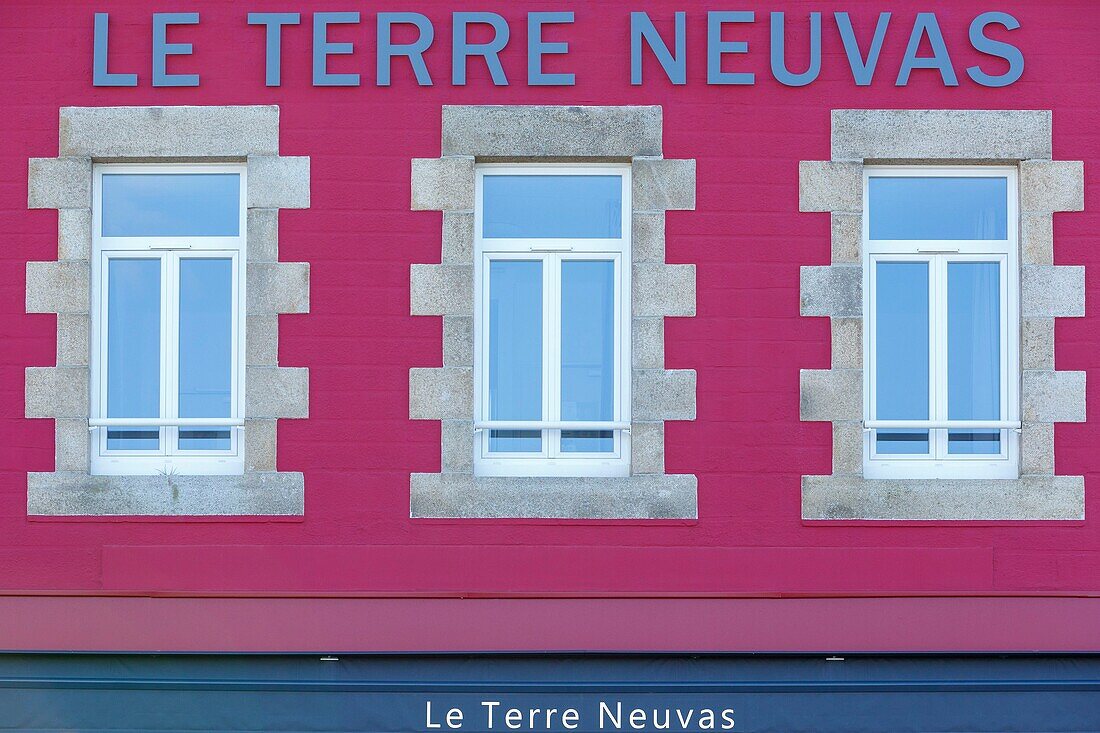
column 592, row 346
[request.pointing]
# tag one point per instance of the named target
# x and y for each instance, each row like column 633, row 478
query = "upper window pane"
column 171, row 204
column 515, row 352
column 205, row 349
column 552, row 207
column 133, row 349
column 587, row 352
column 974, row 353
column 902, row 353
column 918, row 207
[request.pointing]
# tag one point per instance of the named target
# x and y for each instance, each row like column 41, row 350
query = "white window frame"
column 552, row 252
column 938, row 464
column 169, row 251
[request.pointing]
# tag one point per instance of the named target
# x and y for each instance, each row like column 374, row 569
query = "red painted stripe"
column 142, row 624
column 508, row 570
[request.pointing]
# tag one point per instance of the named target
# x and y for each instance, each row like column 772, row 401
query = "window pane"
column 587, row 352
column 543, row 207
column 974, row 353
column 171, row 204
column 938, row 208
column 901, row 358
column 515, row 352
column 133, row 349
column 205, row 349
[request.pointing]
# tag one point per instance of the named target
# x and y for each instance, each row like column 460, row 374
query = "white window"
column 942, row 325
column 167, row 327
column 552, row 315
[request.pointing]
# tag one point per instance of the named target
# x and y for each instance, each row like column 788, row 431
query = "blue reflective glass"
column 515, row 352
column 133, row 350
column 587, row 352
column 205, row 349
column 552, row 207
column 974, row 354
column 938, row 208
column 171, row 204
column 902, row 352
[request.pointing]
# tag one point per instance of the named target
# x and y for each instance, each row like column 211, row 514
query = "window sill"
column 462, row 496
column 262, row 494
column 1030, row 498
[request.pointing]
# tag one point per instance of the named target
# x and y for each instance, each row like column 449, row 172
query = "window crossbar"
column 941, row 425
column 170, row 422
column 550, row 425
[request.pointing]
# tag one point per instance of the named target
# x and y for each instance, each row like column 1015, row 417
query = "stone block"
column 833, row 290
column 1048, row 291
column 520, row 131
column 648, row 236
column 1032, row 498
column 74, row 234
column 274, row 392
column 458, row 341
column 1037, row 344
column 831, row 395
column 1053, row 396
column 278, row 287
column 263, row 235
column 441, row 394
column 56, row 392
column 253, row 494
column 458, row 237
column 278, row 182
column 663, row 394
column 58, row 286
column 262, row 340
column 1052, row 185
column 150, row 133
column 457, row 438
column 462, row 496
column 648, row 343
column 940, row 134
column 647, row 448
column 663, row 185
column 59, row 183
column 73, row 332
column 261, row 441
column 846, row 232
column 847, row 343
column 443, row 184
column 830, row 186
column 663, row 290
column 438, row 290
column 72, row 445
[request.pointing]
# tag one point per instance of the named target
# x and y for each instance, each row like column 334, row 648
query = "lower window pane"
column 587, row 441
column 133, row 350
column 205, row 439
column 206, row 350
column 902, row 353
column 974, row 442
column 135, row 439
column 974, row 353
column 515, row 352
column 587, row 352
column 902, row 442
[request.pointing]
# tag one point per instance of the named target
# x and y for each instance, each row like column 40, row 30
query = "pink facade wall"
column 747, row 343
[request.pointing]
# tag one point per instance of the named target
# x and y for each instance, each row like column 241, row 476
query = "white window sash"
column 170, row 251
column 552, row 253
column 938, row 463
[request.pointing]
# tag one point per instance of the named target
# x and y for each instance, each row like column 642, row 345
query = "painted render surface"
column 747, row 341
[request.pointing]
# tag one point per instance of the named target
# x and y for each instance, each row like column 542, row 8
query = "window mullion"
column 552, row 352
column 170, row 349
column 939, row 351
